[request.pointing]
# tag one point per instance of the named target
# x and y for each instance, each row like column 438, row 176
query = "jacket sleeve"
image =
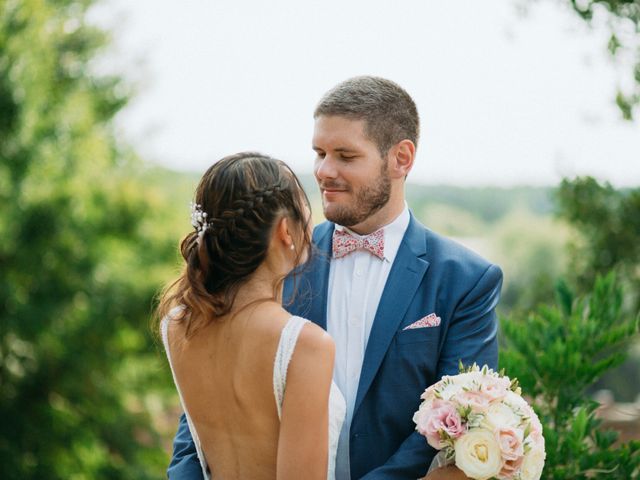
column 473, row 332
column 472, row 337
column 411, row 461
column 184, row 462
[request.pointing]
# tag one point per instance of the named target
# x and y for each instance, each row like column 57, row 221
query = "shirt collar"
column 393, row 233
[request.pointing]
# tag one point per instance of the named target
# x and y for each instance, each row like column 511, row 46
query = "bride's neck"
column 259, row 286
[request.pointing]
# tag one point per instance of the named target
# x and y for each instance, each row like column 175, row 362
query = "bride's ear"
column 283, row 233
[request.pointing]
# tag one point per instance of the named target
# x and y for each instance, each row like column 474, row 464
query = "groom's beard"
column 368, row 200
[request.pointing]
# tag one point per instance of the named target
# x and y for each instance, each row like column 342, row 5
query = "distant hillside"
column 485, row 204
column 488, row 203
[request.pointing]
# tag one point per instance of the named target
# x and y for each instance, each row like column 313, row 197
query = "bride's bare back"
column 225, row 373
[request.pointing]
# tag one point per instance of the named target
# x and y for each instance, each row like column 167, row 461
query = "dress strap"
column 286, row 346
column 164, row 329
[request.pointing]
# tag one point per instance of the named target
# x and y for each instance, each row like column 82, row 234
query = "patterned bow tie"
column 345, row 243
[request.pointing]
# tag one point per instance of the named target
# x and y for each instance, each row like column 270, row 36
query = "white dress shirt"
column 356, row 282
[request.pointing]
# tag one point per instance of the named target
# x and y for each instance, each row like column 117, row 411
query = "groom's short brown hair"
column 389, row 112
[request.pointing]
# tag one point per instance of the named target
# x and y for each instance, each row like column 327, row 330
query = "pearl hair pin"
column 199, row 220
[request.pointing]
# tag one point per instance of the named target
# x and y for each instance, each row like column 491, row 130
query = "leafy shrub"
column 557, row 353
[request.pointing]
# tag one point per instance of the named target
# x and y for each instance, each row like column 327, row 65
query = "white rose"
column 502, row 415
column 533, row 463
column 515, row 400
column 478, row 454
column 469, row 377
column 450, row 390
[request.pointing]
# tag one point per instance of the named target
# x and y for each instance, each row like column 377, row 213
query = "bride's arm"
column 304, row 427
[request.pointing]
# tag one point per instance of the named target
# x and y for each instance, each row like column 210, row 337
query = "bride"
column 230, row 344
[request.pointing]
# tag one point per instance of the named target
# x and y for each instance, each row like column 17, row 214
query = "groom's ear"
column 401, row 157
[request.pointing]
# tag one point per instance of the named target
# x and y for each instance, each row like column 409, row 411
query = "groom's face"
column 350, row 172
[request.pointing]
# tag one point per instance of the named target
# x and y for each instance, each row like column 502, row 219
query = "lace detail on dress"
column 286, row 346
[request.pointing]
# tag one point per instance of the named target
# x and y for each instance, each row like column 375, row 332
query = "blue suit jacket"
column 431, row 274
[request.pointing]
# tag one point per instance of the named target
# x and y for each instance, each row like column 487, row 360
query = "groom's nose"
column 326, row 168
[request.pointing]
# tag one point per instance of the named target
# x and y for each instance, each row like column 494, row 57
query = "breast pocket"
column 418, row 335
column 413, row 358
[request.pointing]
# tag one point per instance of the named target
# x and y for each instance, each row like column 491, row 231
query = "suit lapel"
column 406, row 273
column 319, row 270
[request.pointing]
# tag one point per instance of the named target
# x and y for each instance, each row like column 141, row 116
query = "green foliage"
column 608, row 221
column 623, row 19
column 557, row 353
column 80, row 258
column 531, row 252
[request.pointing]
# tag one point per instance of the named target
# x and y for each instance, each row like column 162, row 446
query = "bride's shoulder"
column 314, row 333
column 171, row 325
column 312, row 362
column 315, row 343
column 175, row 313
column 173, row 317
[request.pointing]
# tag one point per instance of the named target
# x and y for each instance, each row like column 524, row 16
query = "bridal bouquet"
column 480, row 422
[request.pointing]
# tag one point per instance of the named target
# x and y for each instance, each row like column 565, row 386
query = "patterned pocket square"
column 431, row 320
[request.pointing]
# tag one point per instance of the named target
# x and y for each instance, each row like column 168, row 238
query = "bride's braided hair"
column 243, row 196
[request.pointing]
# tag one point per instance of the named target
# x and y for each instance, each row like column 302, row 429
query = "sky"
column 505, row 98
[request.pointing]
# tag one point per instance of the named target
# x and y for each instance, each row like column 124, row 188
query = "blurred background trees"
column 623, row 20
column 558, row 352
column 81, row 257
column 608, row 221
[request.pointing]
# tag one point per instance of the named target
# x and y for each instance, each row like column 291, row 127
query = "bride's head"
column 249, row 213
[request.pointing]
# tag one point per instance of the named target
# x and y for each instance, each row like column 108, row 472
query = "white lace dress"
column 337, row 404
column 286, row 346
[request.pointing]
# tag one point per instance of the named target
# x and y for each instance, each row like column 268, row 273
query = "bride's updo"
column 237, row 203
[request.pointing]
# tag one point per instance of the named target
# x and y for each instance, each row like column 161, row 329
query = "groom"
column 403, row 304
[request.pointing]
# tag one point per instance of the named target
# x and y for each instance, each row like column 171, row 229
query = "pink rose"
column 510, row 443
column 510, row 468
column 495, row 388
column 421, row 415
column 478, row 400
column 441, row 418
column 512, row 451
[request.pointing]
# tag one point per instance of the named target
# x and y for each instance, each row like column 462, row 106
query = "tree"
column 608, row 223
column 623, row 18
column 557, row 353
column 79, row 267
